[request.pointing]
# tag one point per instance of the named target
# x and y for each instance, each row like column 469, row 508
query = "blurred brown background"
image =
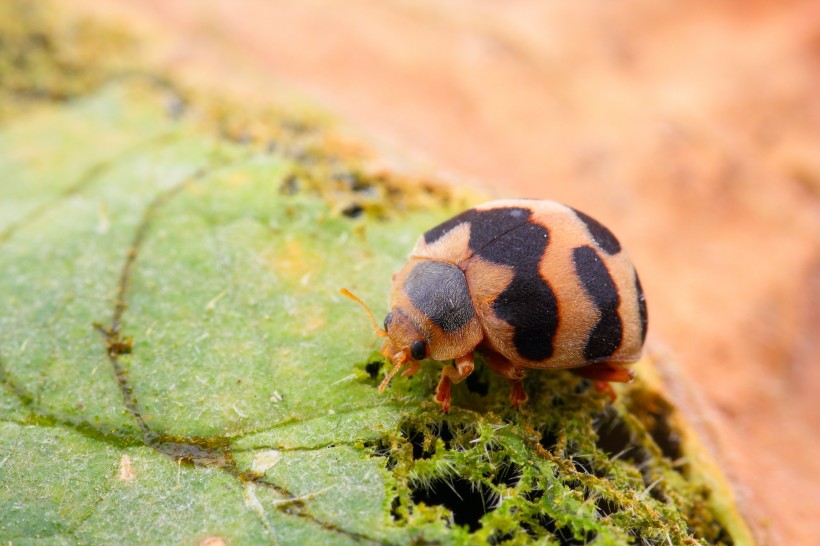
column 692, row 129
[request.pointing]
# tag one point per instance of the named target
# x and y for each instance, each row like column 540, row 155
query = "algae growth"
column 177, row 365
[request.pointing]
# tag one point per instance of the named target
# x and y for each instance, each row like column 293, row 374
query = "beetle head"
column 404, row 344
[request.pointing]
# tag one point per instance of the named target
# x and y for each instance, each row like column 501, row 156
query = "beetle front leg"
column 464, row 366
column 411, row 369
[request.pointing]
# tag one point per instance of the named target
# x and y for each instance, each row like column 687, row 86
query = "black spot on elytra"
column 641, row 307
column 485, row 225
column 520, row 247
column 607, row 333
column 600, row 234
column 439, row 290
column 488, row 226
column 442, row 229
column 528, row 303
column 529, row 306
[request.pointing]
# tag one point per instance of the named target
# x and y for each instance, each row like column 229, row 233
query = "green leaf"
column 182, row 247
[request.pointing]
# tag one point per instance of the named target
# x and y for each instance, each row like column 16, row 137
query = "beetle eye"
column 418, row 349
column 387, row 320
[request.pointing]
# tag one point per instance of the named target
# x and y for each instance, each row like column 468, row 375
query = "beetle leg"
column 399, row 360
column 602, row 374
column 411, row 369
column 605, row 372
column 513, row 374
column 463, row 366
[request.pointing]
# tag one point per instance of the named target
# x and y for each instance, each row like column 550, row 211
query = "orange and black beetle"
column 528, row 284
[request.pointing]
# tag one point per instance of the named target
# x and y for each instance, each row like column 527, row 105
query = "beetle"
column 525, row 283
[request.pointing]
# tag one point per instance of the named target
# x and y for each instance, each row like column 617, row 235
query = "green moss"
column 177, row 363
column 570, row 468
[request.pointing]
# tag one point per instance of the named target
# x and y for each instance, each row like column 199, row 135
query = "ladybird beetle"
column 526, row 283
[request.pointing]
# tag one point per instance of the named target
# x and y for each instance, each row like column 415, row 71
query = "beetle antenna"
column 379, row 331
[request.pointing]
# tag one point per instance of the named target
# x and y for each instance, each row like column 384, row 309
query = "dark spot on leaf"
column 509, row 473
column 417, row 440
column 354, row 181
column 467, row 501
column 290, row 186
column 563, row 534
column 120, row 346
column 617, row 440
column 353, row 210
column 655, row 486
column 443, row 431
column 373, row 368
column 606, row 507
column 500, row 538
column 655, row 414
column 454, row 435
column 582, row 465
column 665, row 436
column 423, row 439
column 394, row 509
column 548, row 440
column 208, row 452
